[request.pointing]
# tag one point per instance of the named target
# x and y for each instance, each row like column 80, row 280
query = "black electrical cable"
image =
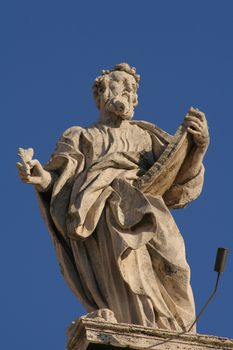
column 219, row 267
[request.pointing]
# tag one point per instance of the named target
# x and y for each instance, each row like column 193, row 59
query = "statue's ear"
column 102, row 87
column 99, row 87
column 97, row 102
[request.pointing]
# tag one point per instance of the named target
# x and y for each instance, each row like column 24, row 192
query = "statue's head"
column 115, row 91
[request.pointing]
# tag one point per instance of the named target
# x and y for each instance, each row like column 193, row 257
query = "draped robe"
column 119, row 248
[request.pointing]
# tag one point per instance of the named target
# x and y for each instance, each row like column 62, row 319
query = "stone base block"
column 90, row 334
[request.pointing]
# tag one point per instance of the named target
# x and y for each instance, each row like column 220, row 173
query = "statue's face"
column 120, row 94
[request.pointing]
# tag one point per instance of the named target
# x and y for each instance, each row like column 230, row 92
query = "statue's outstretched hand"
column 31, row 171
column 196, row 124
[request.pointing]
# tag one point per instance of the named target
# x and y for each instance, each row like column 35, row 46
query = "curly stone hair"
column 100, row 82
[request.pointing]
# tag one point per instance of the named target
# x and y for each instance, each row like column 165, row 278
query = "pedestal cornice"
column 89, row 334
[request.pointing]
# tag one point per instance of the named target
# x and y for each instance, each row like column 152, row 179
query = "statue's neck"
column 111, row 119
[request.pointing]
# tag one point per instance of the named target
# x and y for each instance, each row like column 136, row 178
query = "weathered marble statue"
column 118, row 246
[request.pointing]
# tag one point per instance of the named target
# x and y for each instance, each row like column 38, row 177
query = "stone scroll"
column 160, row 177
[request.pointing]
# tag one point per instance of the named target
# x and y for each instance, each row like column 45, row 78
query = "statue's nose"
column 119, row 106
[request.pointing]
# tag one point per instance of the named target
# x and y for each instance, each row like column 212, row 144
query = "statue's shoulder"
column 73, row 132
column 76, row 134
column 153, row 129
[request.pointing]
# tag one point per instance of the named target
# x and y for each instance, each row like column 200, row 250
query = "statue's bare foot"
column 102, row 315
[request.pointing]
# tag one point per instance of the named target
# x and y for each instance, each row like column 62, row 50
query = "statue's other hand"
column 196, row 124
column 32, row 172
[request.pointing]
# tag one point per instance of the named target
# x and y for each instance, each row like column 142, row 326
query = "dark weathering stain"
column 169, row 269
column 101, row 347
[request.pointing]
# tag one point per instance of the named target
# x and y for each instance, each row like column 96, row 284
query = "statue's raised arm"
column 178, row 172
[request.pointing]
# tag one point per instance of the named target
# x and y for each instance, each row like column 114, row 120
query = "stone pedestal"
column 90, row 334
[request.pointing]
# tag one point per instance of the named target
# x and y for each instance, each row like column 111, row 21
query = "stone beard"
column 119, row 248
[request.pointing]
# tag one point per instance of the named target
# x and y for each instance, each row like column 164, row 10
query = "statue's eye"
column 113, row 87
column 101, row 89
column 128, row 86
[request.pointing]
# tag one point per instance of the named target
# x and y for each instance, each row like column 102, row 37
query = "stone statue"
column 118, row 246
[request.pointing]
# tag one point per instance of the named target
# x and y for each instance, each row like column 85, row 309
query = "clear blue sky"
column 50, row 53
